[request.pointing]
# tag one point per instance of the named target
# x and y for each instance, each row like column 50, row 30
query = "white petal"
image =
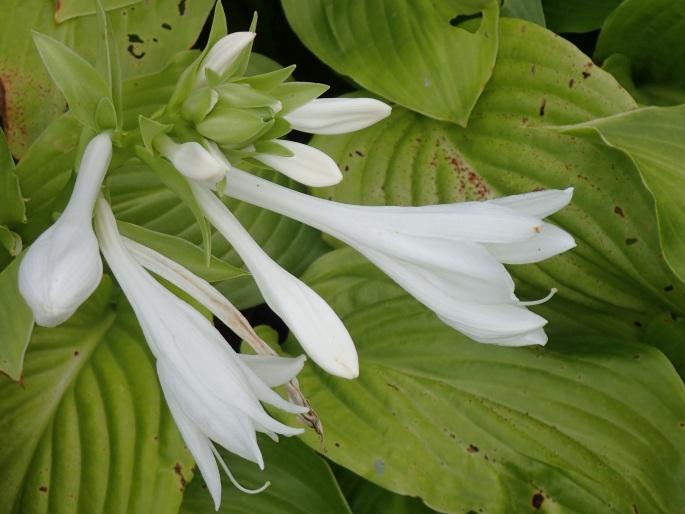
column 538, row 203
column 549, row 242
column 337, row 115
column 199, row 447
column 274, row 371
column 307, row 166
column 192, row 159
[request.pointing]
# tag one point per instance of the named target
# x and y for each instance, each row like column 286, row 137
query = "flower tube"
column 448, row 256
column 315, row 325
column 212, row 393
column 62, row 268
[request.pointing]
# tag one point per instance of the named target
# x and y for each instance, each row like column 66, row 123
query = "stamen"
column 538, row 302
column 232, row 478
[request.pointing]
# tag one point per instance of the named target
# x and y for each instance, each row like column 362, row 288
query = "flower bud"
column 192, row 159
column 337, row 115
column 223, row 55
column 62, row 268
column 307, row 165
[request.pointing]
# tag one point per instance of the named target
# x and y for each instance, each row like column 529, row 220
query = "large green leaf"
column 301, row 483
column 89, row 430
column 577, row 16
column 616, row 279
column 366, row 497
column 649, row 34
column 16, row 323
column 146, row 35
column 591, row 424
column 440, row 74
column 530, row 10
column 654, row 137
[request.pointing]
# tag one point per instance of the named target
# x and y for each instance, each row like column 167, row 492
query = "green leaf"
column 149, row 129
column 530, row 10
column 81, row 84
column 75, row 8
column 616, row 279
column 301, row 483
column 11, row 241
column 649, row 35
column 591, row 424
column 579, row 15
column 108, row 63
column 12, row 209
column 440, row 74
column 16, row 323
column 146, row 35
column 654, row 137
column 366, row 497
column 666, row 332
column 90, row 431
column 183, row 252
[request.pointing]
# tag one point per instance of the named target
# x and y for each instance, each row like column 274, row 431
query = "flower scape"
column 218, row 125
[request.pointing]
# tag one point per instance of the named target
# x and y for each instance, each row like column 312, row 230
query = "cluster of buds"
column 219, row 119
column 450, row 257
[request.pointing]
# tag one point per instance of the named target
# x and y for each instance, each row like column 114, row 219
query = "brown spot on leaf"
column 668, row 288
column 631, row 241
column 523, row 29
column 472, row 449
column 586, row 74
column 178, row 470
column 571, row 82
column 619, row 211
column 166, row 26
column 537, row 500
column 393, row 386
column 532, row 70
column 43, row 488
column 542, row 106
column 635, row 509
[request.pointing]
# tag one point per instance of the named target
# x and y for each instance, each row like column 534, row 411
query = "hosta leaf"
column 591, row 424
column 146, row 36
column 577, row 16
column 648, row 36
column 89, row 431
column 16, row 322
column 301, row 483
column 615, row 280
column 79, row 81
column 530, row 10
column 12, row 209
column 440, row 74
column 366, row 497
column 654, row 137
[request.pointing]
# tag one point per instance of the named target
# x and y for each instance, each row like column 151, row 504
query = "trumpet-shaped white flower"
column 448, row 256
column 307, row 165
column 62, row 267
column 194, row 160
column 316, row 326
column 337, row 115
column 213, row 393
column 223, row 55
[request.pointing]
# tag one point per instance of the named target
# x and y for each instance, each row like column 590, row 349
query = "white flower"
column 315, row 325
column 448, row 256
column 337, row 115
column 213, row 393
column 307, row 165
column 62, row 267
column 223, row 55
column 192, row 159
